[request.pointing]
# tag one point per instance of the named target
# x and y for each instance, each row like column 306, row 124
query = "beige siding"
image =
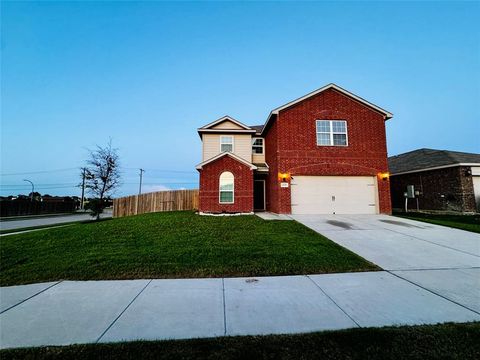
column 227, row 125
column 242, row 146
column 211, row 146
column 258, row 158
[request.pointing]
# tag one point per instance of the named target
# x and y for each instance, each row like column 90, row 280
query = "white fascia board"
column 435, row 168
column 202, row 130
column 236, row 157
column 386, row 114
column 226, row 118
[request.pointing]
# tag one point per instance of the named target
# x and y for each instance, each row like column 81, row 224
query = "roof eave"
column 224, row 131
column 226, row 118
column 202, row 130
column 232, row 155
column 433, row 168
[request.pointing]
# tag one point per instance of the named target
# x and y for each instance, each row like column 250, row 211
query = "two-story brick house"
column 324, row 153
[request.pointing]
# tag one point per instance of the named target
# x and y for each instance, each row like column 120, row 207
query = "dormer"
column 227, row 135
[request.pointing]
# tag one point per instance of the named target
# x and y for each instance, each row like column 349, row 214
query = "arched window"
column 226, row 188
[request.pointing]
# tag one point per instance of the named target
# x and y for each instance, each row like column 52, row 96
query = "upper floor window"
column 257, row 146
column 226, row 188
column 332, row 133
column 226, row 143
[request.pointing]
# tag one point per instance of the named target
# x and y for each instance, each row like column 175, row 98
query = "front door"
column 259, row 195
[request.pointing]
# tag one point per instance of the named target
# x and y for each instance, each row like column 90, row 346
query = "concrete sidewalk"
column 69, row 312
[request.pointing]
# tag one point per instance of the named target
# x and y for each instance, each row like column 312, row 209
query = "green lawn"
column 446, row 341
column 464, row 222
column 169, row 245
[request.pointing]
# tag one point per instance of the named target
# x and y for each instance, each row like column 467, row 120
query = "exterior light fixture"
column 283, row 177
column 384, row 175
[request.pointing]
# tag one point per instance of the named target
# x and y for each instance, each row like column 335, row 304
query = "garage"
column 476, row 185
column 334, row 195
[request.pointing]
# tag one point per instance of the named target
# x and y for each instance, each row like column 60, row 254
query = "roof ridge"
column 423, row 159
column 222, row 119
column 413, row 151
column 449, row 155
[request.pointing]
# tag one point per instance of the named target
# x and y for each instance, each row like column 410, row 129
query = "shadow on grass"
column 445, row 341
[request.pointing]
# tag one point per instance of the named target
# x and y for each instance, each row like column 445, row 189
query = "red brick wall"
column 272, row 185
column 291, row 146
column 448, row 189
column 209, row 187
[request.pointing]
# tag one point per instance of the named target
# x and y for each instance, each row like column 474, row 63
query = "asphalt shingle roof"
column 259, row 128
column 428, row 158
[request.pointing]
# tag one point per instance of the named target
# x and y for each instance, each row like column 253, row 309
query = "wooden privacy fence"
column 156, row 201
column 19, row 207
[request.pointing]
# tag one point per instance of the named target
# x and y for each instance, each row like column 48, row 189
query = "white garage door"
column 476, row 184
column 476, row 189
column 334, row 195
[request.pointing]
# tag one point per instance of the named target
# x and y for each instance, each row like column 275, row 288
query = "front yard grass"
column 172, row 245
column 446, row 341
column 463, row 222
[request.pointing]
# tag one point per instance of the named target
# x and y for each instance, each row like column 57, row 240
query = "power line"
column 17, row 185
column 41, row 188
column 79, row 168
column 163, row 170
column 48, row 187
column 39, row 172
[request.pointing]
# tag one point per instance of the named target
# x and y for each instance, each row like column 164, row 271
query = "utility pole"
column 83, row 188
column 141, row 175
column 33, row 188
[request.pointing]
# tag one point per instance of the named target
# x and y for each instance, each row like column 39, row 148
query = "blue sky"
column 147, row 74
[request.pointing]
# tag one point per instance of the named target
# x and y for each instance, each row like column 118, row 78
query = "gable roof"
column 425, row 159
column 222, row 119
column 258, row 128
column 387, row 115
column 209, row 127
column 232, row 155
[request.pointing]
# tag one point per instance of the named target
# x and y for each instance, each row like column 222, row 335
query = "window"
column 226, row 188
column 226, row 143
column 257, row 146
column 332, row 133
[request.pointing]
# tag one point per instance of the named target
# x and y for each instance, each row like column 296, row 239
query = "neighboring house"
column 443, row 180
column 323, row 153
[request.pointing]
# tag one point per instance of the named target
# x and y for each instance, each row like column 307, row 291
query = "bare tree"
column 102, row 176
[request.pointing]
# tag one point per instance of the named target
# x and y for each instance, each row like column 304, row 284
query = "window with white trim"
column 332, row 133
column 226, row 143
column 257, row 146
column 226, row 188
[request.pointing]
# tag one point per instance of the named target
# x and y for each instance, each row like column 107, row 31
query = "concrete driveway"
column 399, row 244
column 440, row 259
